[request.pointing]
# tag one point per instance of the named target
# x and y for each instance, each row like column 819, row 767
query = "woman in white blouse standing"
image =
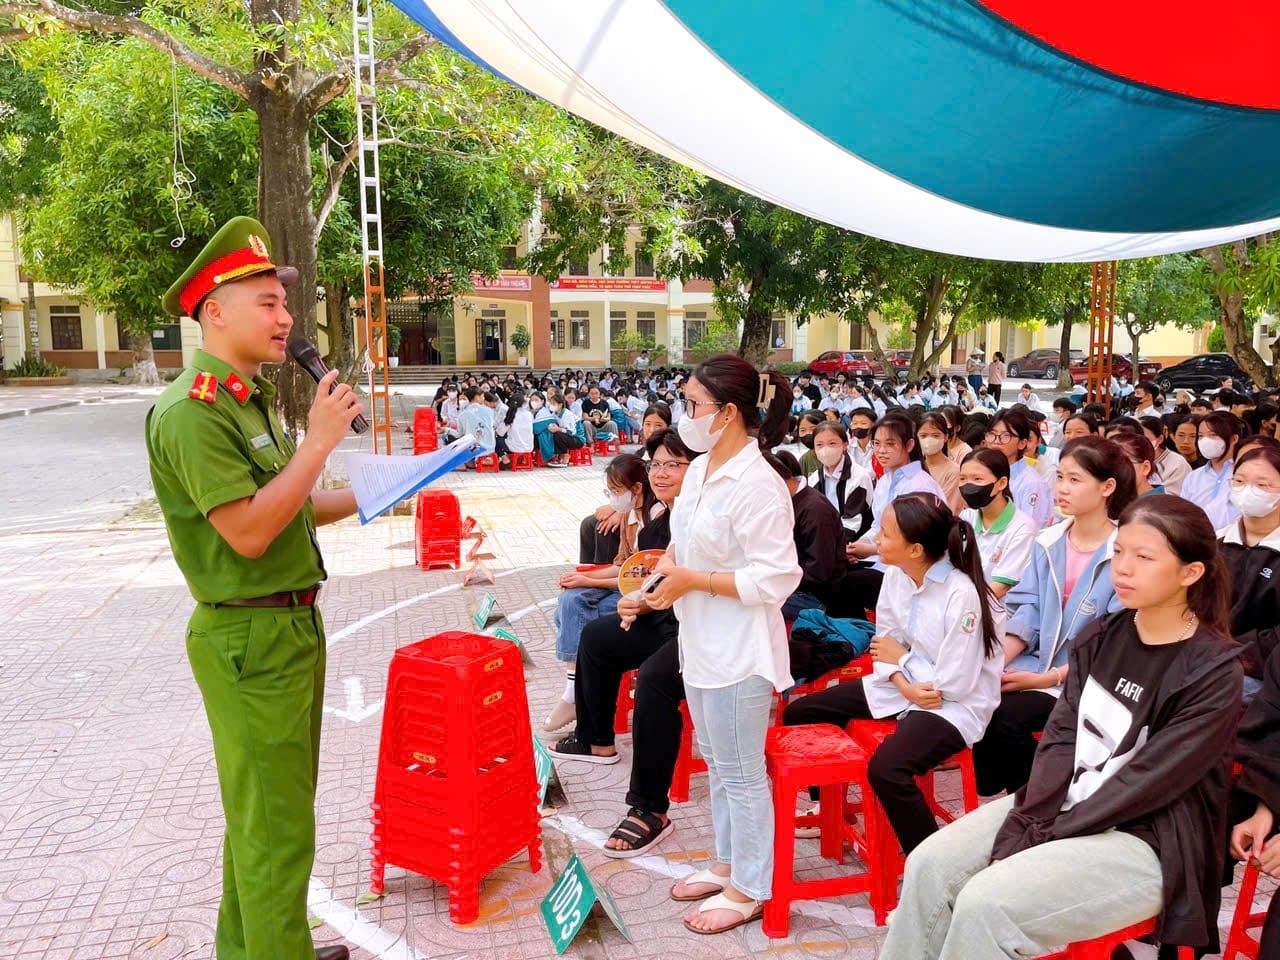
column 731, row 564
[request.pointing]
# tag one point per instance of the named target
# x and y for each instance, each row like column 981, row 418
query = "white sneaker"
column 561, row 716
column 806, row 808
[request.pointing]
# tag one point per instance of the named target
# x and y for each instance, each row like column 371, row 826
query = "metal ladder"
column 375, row 302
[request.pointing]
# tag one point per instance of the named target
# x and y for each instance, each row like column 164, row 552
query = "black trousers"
column 921, row 742
column 1002, row 758
column 595, row 547
column 564, row 442
column 854, row 594
column 604, row 655
column 994, row 390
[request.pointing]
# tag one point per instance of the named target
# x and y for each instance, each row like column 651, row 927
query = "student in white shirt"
column 1027, row 397
column 731, row 565
column 1011, row 434
column 1209, row 486
column 861, row 420
column 937, row 662
column 1170, row 465
column 1005, row 534
column 847, row 486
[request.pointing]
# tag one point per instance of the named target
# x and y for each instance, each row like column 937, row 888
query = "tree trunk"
column 284, row 206
column 144, row 358
column 337, row 310
column 33, row 322
column 1135, row 337
column 1235, row 327
column 1064, row 348
column 756, row 326
column 923, row 351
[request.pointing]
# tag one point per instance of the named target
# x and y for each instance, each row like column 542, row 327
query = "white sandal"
column 747, row 912
column 702, row 876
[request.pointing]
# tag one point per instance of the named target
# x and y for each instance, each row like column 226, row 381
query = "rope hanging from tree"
column 184, row 180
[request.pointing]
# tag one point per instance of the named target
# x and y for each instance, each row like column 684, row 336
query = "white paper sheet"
column 380, row 482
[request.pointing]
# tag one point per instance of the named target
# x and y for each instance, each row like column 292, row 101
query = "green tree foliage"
column 28, row 136
column 1161, row 291
column 1245, row 278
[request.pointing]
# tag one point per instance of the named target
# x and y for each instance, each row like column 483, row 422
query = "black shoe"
column 333, row 953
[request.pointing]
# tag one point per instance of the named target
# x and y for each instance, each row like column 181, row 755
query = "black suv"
column 1205, row 372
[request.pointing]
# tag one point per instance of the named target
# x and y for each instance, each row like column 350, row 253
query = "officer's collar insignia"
column 239, row 389
column 205, row 387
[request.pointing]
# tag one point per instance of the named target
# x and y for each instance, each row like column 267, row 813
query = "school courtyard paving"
column 110, row 825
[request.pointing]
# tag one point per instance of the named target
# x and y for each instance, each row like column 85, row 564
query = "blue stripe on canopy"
column 954, row 100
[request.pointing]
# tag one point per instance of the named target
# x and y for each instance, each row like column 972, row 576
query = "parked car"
column 900, row 361
column 852, row 363
column 1044, row 364
column 1122, row 366
column 1205, row 372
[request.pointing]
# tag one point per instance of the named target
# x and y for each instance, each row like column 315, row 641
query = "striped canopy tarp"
column 1008, row 129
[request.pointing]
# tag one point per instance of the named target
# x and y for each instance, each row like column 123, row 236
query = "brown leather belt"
column 287, row 598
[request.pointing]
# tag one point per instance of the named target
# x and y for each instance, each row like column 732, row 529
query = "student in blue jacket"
column 1066, row 587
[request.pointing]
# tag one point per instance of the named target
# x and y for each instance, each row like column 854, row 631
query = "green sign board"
column 567, row 904
column 502, row 633
column 484, row 613
column 543, row 766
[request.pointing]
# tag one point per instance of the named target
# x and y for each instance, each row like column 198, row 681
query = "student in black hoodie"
column 1123, row 817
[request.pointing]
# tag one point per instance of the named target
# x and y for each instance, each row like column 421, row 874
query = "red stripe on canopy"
column 1228, row 52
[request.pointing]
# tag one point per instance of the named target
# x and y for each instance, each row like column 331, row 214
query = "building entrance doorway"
column 491, row 336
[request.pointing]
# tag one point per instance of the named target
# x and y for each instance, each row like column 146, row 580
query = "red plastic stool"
column 426, row 437
column 437, row 530
column 537, row 458
column 686, row 763
column 581, row 456
column 627, row 704
column 819, row 755
column 855, row 669
column 606, row 446
column 1101, row 948
column 1239, row 941
column 456, row 795
column 488, row 463
column 871, row 733
column 521, row 461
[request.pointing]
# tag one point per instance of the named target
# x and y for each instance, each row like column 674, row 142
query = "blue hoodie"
column 1037, row 614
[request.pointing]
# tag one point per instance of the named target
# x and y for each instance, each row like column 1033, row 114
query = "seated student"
column 1011, row 433
column 1142, row 457
column 1170, row 466
column 1040, row 456
column 933, row 431
column 1080, row 425
column 590, row 595
column 1185, row 432
column 648, row 643
column 1255, row 798
column 955, row 446
column 476, row 419
column 861, row 420
column 566, row 431
column 596, row 415
column 1251, row 551
column 819, row 537
column 1064, row 408
column 1209, row 486
column 936, row 652
column 1005, row 534
column 847, row 486
column 1119, row 821
column 1066, row 587
column 448, row 415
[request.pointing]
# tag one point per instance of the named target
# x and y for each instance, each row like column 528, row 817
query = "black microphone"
column 306, row 355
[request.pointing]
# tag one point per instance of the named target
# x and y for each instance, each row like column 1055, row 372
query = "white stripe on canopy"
column 632, row 67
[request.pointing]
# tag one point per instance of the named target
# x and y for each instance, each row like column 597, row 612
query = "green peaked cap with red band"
column 241, row 248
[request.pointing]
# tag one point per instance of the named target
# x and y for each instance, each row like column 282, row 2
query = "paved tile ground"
column 110, row 825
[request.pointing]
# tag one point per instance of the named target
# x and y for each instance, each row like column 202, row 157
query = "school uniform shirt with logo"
column 1005, row 549
column 739, row 521
column 1030, row 493
column 909, row 479
column 1210, row 490
column 940, row 622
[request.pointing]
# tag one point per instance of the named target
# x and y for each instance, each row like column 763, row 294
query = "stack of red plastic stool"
column 426, row 436
column 1101, row 948
column 626, row 702
column 686, row 763
column 820, row 755
column 581, row 456
column 1240, row 944
column 456, row 793
column 438, row 530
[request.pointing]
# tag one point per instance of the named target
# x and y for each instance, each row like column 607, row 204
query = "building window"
column 579, row 330
column 557, row 331
column 647, row 324
column 578, row 268
column 617, row 324
column 64, row 323
column 644, row 262
column 778, row 333
column 166, row 337
column 695, row 328
column 509, row 257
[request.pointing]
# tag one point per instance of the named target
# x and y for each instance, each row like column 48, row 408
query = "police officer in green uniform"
column 241, row 507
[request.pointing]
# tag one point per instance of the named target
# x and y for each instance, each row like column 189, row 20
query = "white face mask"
column 1254, row 501
column 1211, row 448
column 619, row 502
column 535, row 404
column 464, row 402
column 697, row 434
column 829, row 456
column 930, row 445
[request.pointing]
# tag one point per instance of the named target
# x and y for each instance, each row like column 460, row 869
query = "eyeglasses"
column 691, row 406
column 999, row 437
column 666, row 466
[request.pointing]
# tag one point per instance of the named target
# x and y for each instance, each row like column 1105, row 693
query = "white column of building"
column 192, row 339
column 675, row 322
column 100, row 335
column 608, row 307
column 800, row 342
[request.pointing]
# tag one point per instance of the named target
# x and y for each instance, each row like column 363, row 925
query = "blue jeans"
column 730, row 724
column 577, row 607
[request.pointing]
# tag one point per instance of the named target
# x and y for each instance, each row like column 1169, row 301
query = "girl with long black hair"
column 936, row 653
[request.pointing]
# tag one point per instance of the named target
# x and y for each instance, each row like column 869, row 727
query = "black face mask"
column 807, row 441
column 977, row 495
column 861, row 433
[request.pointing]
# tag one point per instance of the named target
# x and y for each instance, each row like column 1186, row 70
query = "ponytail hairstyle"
column 514, row 402
column 763, row 400
column 926, row 520
column 1191, row 537
column 626, row 470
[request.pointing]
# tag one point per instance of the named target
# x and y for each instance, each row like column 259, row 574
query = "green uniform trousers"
column 261, row 674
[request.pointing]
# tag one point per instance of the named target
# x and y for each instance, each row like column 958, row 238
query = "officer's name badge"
column 260, row 441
